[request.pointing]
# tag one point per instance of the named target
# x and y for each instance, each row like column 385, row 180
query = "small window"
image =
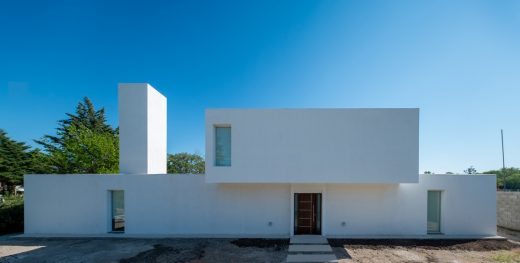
column 117, row 203
column 223, row 146
column 434, row 212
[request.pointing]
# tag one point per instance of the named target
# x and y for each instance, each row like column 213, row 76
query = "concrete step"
column 312, row 258
column 309, row 239
column 310, row 248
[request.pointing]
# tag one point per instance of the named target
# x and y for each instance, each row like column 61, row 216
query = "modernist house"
column 269, row 172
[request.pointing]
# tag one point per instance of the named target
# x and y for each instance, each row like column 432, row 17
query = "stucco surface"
column 316, row 145
column 187, row 205
column 142, row 129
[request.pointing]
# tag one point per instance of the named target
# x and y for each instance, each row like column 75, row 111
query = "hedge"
column 11, row 215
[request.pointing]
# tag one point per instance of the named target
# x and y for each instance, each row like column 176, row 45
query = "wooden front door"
column 307, row 214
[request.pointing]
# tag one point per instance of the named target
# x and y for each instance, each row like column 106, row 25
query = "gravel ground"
column 141, row 250
column 358, row 250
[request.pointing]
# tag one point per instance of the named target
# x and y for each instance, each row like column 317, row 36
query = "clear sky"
column 458, row 61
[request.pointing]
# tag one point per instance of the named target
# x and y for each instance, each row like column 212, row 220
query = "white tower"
column 142, row 129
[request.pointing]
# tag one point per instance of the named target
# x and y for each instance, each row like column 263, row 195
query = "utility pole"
column 503, row 160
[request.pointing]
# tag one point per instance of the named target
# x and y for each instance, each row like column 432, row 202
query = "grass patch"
column 506, row 257
column 11, row 215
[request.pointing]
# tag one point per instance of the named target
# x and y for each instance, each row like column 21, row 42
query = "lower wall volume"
column 187, row 205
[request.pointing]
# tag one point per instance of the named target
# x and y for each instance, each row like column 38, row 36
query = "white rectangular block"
column 316, row 145
column 310, row 248
column 312, row 258
column 142, row 129
column 308, row 239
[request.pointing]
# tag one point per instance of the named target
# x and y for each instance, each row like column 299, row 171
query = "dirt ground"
column 407, row 254
column 253, row 250
column 141, row 250
column 375, row 251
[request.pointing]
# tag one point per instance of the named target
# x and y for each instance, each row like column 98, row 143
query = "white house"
column 269, row 172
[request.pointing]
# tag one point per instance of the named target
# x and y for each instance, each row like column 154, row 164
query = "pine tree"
column 15, row 161
column 84, row 143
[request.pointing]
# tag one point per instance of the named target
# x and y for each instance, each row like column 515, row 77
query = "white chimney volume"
column 142, row 129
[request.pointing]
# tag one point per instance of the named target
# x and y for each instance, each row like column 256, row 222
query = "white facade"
column 363, row 162
column 185, row 205
column 316, row 146
column 142, row 129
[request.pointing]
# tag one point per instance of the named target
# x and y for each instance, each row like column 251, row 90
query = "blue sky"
column 459, row 61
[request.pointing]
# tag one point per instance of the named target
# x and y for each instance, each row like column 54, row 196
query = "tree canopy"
column 185, row 163
column 510, row 175
column 84, row 143
column 470, row 170
column 16, row 159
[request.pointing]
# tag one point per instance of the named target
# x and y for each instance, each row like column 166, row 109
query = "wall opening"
column 307, row 214
column 117, row 207
column 434, row 212
column 222, row 146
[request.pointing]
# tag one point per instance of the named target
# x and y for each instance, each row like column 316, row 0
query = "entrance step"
column 310, row 248
column 312, row 258
column 309, row 239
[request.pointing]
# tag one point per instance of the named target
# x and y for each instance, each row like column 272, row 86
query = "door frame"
column 315, row 206
column 306, row 189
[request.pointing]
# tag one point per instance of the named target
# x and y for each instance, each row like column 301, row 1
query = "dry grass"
column 507, row 256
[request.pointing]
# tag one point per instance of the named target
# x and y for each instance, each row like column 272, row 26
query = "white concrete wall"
column 186, row 205
column 142, row 129
column 468, row 207
column 374, row 210
column 157, row 132
column 154, row 204
column 468, row 202
column 316, row 145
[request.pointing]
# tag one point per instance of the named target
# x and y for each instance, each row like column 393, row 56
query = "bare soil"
column 430, row 244
column 185, row 250
column 276, row 244
column 392, row 250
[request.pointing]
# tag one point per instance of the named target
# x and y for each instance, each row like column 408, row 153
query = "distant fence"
column 508, row 209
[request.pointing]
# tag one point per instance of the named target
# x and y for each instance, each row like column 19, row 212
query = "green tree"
column 510, row 175
column 470, row 170
column 15, row 161
column 185, row 163
column 39, row 162
column 86, row 116
column 84, row 143
column 512, row 181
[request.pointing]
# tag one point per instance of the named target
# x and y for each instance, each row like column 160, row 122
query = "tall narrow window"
column 223, row 146
column 434, row 212
column 117, row 201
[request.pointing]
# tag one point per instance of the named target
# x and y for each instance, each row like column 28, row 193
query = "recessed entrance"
column 307, row 214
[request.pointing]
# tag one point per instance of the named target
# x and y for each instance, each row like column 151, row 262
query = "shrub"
column 11, row 215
